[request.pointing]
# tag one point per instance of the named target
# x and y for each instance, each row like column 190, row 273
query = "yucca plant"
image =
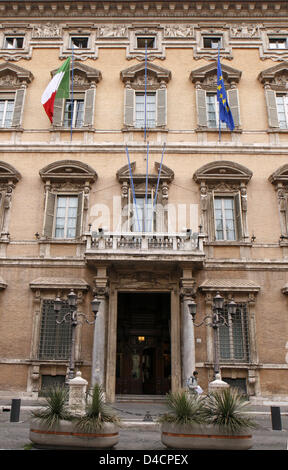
column 56, row 408
column 225, row 409
column 97, row 412
column 184, row 408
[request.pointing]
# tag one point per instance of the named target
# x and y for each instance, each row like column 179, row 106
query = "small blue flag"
column 225, row 114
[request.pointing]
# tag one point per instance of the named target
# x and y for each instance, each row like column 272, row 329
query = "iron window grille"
column 234, row 340
column 55, row 340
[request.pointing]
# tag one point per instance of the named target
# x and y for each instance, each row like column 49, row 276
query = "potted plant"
column 213, row 422
column 55, row 427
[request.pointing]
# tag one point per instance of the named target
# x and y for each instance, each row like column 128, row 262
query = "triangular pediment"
column 19, row 74
column 131, row 73
column 89, row 73
column 229, row 73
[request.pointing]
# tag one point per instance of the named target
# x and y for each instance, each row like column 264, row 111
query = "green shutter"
column 271, row 108
column 79, row 215
column 89, row 107
column 233, row 101
column 129, row 107
column 18, row 107
column 49, row 214
column 201, row 107
column 161, row 107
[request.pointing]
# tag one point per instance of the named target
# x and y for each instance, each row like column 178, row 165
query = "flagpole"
column 219, row 100
column 72, row 93
column 132, row 185
column 145, row 97
column 146, row 188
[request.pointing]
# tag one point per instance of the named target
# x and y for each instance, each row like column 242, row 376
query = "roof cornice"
column 181, row 9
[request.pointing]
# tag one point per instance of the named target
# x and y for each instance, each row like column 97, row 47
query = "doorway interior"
column 143, row 344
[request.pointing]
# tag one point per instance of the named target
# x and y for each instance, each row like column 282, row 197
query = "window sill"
column 149, row 129
column 228, row 243
column 277, row 130
column 11, row 129
column 74, row 129
column 213, row 130
column 68, row 241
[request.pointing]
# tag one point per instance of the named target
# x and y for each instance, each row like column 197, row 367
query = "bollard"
column 276, row 418
column 15, row 410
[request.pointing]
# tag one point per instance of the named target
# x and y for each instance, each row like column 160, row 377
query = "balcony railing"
column 144, row 243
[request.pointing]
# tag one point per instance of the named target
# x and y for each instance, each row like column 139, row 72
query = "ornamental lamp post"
column 74, row 318
column 215, row 320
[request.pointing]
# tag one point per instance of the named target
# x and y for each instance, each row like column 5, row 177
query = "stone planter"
column 67, row 436
column 200, row 437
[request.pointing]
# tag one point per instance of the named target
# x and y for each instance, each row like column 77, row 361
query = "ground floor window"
column 234, row 340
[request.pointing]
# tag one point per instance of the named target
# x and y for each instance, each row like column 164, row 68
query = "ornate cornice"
column 138, row 8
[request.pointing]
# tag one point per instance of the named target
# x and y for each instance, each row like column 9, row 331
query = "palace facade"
column 135, row 195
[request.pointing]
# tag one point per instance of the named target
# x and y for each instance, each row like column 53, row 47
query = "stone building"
column 135, row 195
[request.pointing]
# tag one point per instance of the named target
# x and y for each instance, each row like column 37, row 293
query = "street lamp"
column 215, row 320
column 73, row 317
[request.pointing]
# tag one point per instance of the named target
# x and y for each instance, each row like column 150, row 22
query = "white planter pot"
column 199, row 437
column 67, row 435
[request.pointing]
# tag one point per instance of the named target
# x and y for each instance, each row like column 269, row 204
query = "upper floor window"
column 212, row 42
column 213, row 111
column 143, row 214
column 12, row 42
column 73, row 113
column 282, row 110
column 278, row 43
column 79, row 42
column 140, row 110
column 6, row 111
column 224, row 210
column 66, row 216
column 146, row 42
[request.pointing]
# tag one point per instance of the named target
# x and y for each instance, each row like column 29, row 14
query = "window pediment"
column 280, row 175
column 8, row 173
column 276, row 76
column 222, row 171
column 13, row 76
column 136, row 74
column 208, row 75
column 68, row 170
column 123, row 175
column 84, row 75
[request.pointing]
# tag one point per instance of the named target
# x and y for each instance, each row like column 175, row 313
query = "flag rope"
column 132, row 186
column 159, row 174
column 146, row 188
column 72, row 92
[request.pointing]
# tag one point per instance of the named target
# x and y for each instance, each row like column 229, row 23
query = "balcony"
column 157, row 247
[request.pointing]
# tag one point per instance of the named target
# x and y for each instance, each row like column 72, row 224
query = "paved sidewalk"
column 138, row 433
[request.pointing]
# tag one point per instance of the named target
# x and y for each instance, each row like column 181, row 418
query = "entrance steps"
column 140, row 398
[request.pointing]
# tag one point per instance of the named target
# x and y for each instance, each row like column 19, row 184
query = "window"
column 212, row 106
column 6, row 112
column 212, row 42
column 278, row 43
column 234, row 340
column 140, row 110
column 73, row 110
column 224, row 218
column 143, row 42
column 142, row 214
column 14, row 42
column 55, row 339
column 282, row 110
column 79, row 42
column 66, row 216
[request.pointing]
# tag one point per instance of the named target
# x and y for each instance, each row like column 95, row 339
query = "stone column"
column 187, row 327
column 99, row 340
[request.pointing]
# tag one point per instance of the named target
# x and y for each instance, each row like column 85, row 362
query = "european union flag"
column 225, row 114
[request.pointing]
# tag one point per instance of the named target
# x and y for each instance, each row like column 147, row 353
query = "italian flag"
column 58, row 87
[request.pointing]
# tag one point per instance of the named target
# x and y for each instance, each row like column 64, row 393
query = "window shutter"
column 49, row 214
column 162, row 107
column 2, row 196
column 79, row 215
column 271, row 108
column 58, row 112
column 201, row 107
column 89, row 107
column 211, row 217
column 233, row 100
column 129, row 107
column 238, row 216
column 18, row 107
